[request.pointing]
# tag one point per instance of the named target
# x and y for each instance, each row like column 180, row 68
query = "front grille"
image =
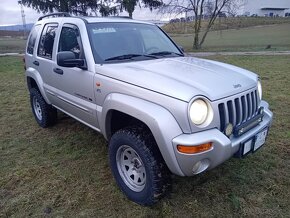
column 238, row 110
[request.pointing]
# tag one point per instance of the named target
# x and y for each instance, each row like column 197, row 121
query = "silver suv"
column 162, row 112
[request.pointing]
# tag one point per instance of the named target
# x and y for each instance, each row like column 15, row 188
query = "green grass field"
column 247, row 39
column 63, row 171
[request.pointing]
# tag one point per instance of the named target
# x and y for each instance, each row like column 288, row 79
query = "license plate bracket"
column 253, row 144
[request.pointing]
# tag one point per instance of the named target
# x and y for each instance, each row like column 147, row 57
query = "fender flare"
column 160, row 121
column 34, row 74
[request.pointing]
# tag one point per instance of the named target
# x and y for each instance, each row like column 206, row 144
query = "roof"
column 113, row 19
column 272, row 8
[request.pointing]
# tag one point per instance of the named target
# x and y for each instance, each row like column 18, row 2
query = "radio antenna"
column 23, row 19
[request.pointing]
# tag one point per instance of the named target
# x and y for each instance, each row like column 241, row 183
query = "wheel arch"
column 34, row 80
column 156, row 118
column 116, row 120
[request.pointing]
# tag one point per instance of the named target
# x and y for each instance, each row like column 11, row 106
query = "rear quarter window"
column 46, row 41
column 32, row 39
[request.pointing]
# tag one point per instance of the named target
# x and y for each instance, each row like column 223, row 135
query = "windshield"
column 115, row 42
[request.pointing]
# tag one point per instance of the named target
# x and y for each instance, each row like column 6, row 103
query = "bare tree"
column 199, row 8
column 209, row 8
column 233, row 7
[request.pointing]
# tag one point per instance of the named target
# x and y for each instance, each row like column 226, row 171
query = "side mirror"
column 181, row 48
column 68, row 59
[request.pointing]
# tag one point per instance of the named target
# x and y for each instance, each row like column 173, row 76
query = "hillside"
column 16, row 27
column 258, row 38
column 225, row 23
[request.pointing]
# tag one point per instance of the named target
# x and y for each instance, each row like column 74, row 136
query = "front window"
column 70, row 41
column 115, row 42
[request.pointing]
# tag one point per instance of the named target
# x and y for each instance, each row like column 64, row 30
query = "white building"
column 267, row 8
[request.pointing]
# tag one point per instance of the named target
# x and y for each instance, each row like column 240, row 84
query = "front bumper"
column 223, row 147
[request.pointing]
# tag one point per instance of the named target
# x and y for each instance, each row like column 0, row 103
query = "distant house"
column 268, row 8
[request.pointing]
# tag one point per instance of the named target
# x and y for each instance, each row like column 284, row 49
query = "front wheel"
column 44, row 114
column 138, row 166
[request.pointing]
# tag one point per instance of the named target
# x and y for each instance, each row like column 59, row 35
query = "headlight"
column 260, row 90
column 199, row 111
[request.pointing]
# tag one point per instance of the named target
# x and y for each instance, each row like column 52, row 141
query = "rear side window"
column 32, row 39
column 46, row 42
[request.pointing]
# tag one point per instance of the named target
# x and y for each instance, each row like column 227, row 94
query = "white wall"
column 254, row 7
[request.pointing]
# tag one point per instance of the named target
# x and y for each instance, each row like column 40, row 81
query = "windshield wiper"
column 129, row 56
column 163, row 53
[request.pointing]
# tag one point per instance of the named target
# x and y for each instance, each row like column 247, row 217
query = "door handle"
column 36, row 63
column 58, row 71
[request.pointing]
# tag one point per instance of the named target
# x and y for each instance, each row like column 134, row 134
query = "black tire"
column 158, row 177
column 48, row 113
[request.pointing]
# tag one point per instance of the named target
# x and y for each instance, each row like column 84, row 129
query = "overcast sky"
column 10, row 13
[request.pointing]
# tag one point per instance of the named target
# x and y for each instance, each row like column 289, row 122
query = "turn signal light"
column 194, row 149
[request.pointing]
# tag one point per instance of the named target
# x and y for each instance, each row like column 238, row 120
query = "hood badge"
column 237, row 86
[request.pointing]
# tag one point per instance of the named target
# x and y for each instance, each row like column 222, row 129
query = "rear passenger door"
column 44, row 56
column 74, row 86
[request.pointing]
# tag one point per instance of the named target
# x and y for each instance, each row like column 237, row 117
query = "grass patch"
column 8, row 45
column 64, row 170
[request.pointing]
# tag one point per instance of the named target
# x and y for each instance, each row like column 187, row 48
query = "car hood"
column 183, row 77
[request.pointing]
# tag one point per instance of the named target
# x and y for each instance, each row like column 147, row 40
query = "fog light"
column 187, row 149
column 200, row 166
column 196, row 166
column 229, row 129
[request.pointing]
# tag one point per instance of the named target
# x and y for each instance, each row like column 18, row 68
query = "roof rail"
column 57, row 14
column 127, row 17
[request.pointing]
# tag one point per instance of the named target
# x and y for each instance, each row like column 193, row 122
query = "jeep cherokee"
column 162, row 112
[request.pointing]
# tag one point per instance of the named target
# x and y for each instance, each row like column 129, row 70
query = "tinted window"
column 46, row 41
column 70, row 41
column 32, row 39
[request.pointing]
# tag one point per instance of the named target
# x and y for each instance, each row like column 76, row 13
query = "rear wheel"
column 138, row 166
column 44, row 114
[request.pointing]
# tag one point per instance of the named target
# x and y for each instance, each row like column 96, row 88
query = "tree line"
column 90, row 7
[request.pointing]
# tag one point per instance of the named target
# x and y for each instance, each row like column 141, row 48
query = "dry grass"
column 8, row 45
column 225, row 23
column 246, row 39
column 63, row 171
